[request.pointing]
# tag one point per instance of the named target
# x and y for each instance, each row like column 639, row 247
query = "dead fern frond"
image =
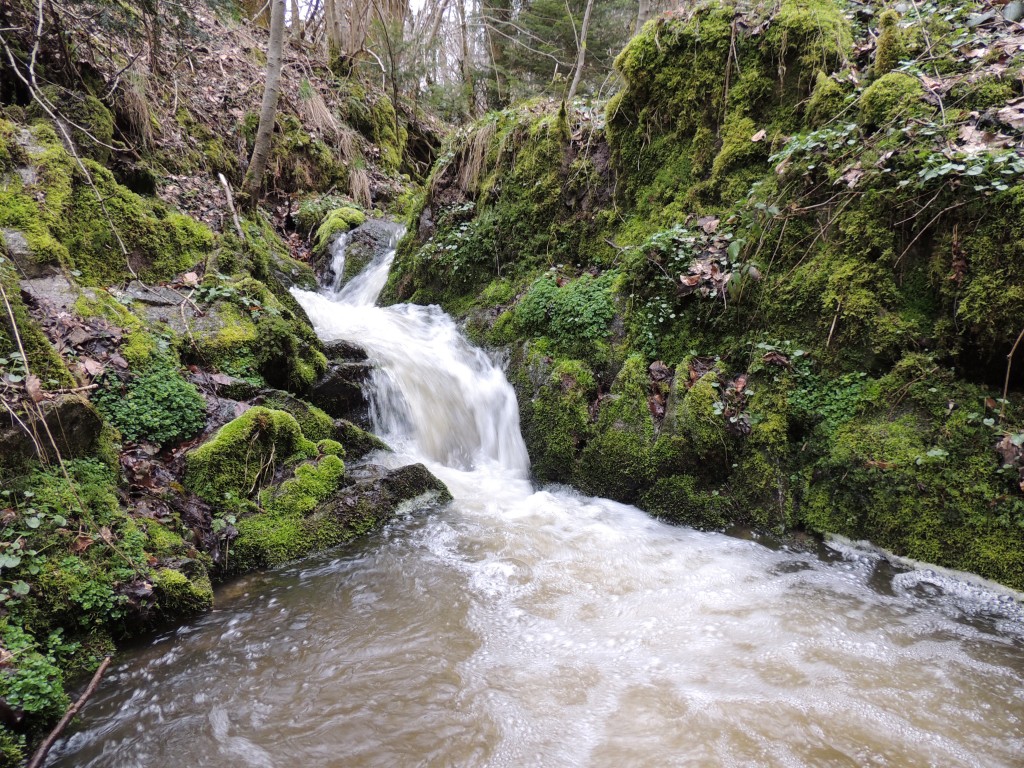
column 475, row 158
column 316, row 114
column 359, row 187
column 131, row 98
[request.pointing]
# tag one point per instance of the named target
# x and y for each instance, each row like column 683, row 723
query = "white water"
column 521, row 627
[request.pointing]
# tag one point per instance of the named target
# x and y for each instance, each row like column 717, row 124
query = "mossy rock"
column 315, row 424
column 357, row 442
column 253, row 336
column 892, row 97
column 245, row 453
column 826, row 102
column 891, row 47
column 179, row 596
column 311, row 513
column 619, row 460
column 679, row 499
column 337, row 222
column 556, row 420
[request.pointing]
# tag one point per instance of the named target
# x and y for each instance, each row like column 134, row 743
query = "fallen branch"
column 1009, row 366
column 231, row 205
column 44, row 748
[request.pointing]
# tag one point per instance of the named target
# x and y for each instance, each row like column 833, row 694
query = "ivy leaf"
column 20, row 588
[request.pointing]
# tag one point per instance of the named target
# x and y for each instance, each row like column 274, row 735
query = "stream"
column 526, row 626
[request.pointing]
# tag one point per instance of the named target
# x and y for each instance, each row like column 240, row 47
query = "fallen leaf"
column 852, row 176
column 34, row 387
column 92, row 367
column 708, row 223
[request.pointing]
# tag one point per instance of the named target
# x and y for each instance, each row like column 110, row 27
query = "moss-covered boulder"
column 306, row 514
column 245, row 454
column 893, row 97
column 249, row 333
column 619, row 460
column 337, row 222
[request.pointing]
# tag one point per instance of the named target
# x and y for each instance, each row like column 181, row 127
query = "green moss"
column 892, row 97
column 315, row 424
column 810, row 35
column 288, row 528
column 619, row 460
column 178, row 595
column 161, row 243
column 827, row 101
column 95, row 135
column 378, row 121
column 252, row 335
column 678, row 499
column 337, row 221
column 556, row 421
column 701, row 423
column 356, row 441
column 162, row 542
column 244, row 454
column 890, row 49
column 737, row 148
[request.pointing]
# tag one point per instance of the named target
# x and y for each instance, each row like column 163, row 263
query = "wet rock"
column 376, row 493
column 365, row 243
column 339, row 392
column 358, row 442
column 341, row 350
column 71, row 420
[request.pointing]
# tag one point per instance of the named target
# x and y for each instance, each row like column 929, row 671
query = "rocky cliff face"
column 776, row 282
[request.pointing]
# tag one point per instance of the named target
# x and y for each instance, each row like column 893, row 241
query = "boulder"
column 376, row 493
column 339, row 392
column 341, row 350
column 71, row 420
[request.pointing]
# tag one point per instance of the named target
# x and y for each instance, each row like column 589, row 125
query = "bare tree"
column 643, row 13
column 296, row 22
column 268, row 110
column 581, row 52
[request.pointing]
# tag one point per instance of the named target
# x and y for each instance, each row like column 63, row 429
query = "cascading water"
column 538, row 627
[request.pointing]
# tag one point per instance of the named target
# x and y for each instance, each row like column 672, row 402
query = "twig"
column 839, row 308
column 231, row 205
column 925, row 229
column 1009, row 365
column 44, row 748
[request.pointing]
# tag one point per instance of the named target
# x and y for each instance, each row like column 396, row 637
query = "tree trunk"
column 643, row 13
column 296, row 28
column 581, row 54
column 497, row 14
column 467, row 65
column 268, row 111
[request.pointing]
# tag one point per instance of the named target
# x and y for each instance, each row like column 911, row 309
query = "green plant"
column 157, row 405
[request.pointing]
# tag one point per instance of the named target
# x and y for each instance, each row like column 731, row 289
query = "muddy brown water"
column 520, row 626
